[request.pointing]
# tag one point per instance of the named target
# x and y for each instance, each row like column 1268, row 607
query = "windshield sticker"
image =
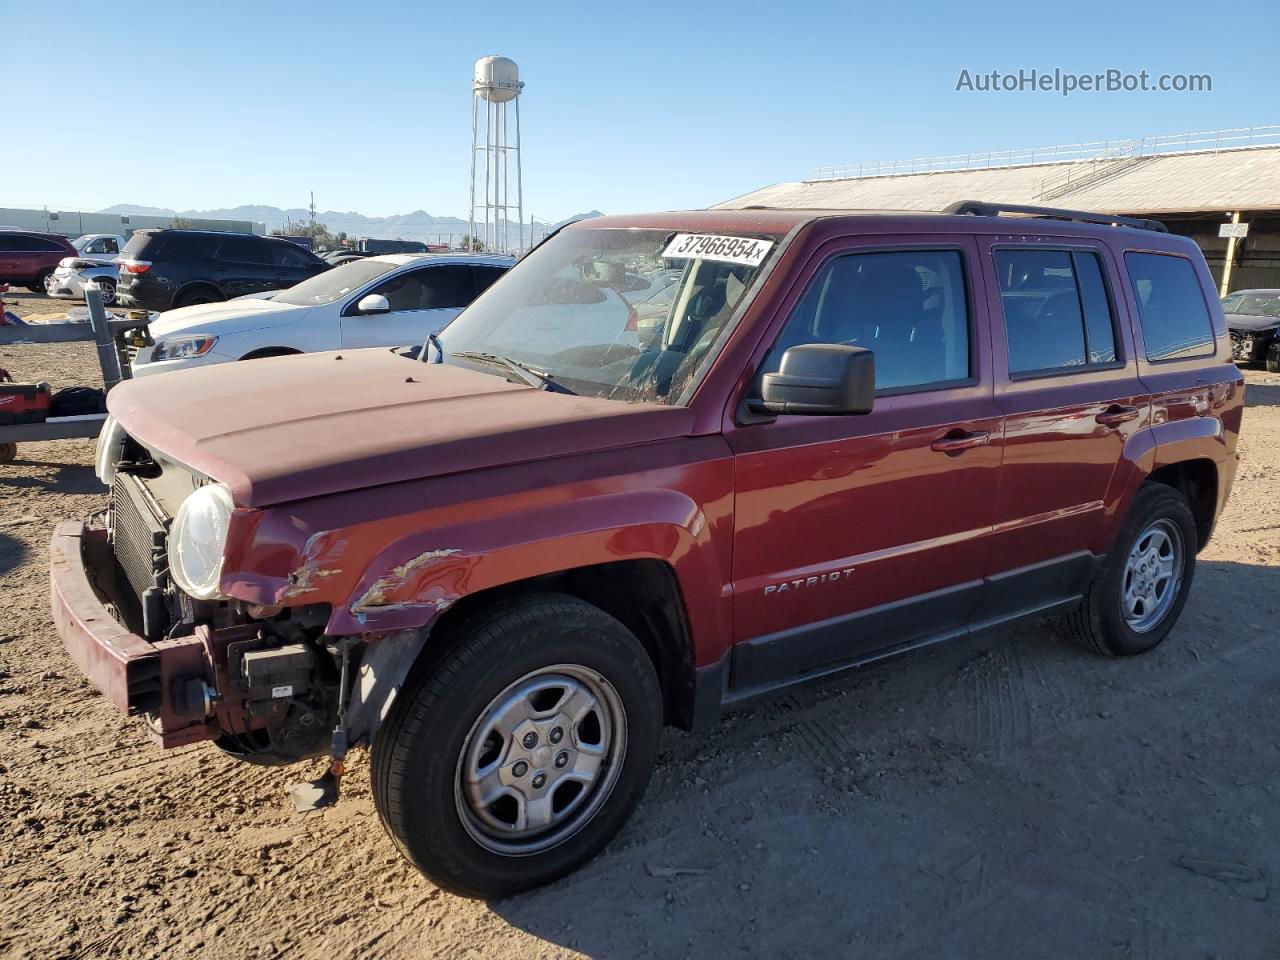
column 709, row 246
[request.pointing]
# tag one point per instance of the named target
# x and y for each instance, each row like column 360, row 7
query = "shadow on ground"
column 1005, row 797
column 70, row 478
column 1262, row 394
column 12, row 553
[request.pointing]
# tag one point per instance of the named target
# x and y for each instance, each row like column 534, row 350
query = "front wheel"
column 1139, row 591
column 1273, row 358
column 522, row 750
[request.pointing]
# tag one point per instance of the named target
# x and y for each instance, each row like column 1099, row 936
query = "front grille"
column 138, row 533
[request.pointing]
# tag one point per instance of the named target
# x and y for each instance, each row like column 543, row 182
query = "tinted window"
column 287, row 255
column 8, row 242
column 140, row 246
column 1175, row 319
column 182, row 246
column 909, row 308
column 447, row 286
column 485, row 277
column 1056, row 311
column 406, row 291
column 244, row 250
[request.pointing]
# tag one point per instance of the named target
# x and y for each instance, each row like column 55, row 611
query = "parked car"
column 29, row 258
column 161, row 269
column 375, row 302
column 99, row 246
column 508, row 566
column 1253, row 317
column 68, row 281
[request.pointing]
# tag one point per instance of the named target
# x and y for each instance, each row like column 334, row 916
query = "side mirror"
column 374, row 303
column 821, row 379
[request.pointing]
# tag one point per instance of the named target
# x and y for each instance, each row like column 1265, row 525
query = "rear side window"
column 1175, row 319
column 1057, row 315
column 178, row 246
column 244, row 250
column 139, row 245
column 909, row 308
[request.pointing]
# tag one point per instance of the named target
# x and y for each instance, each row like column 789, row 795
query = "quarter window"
column 908, row 307
column 1056, row 312
column 1175, row 319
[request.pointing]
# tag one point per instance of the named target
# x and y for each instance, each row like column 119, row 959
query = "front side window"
column 569, row 309
column 1057, row 315
column 908, row 307
column 1171, row 307
column 448, row 285
column 405, row 291
column 288, row 256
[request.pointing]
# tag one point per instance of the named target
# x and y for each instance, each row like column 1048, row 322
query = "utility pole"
column 312, row 209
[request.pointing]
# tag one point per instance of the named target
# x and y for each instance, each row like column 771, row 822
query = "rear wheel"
column 190, row 298
column 522, row 751
column 1273, row 358
column 1139, row 592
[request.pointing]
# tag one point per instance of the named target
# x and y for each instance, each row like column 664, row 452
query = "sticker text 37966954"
column 710, row 246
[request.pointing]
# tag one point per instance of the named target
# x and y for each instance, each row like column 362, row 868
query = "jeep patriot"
column 504, row 560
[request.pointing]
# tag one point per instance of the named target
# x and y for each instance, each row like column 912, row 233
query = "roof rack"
column 981, row 208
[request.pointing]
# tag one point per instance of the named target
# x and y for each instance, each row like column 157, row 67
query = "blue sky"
column 627, row 107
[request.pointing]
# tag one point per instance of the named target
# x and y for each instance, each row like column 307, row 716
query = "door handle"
column 963, row 441
column 1116, row 415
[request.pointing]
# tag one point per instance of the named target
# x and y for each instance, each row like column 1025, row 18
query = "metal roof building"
column 1193, row 182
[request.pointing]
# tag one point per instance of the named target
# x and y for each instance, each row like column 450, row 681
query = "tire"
column 1273, row 358
column 108, row 288
column 1159, row 514
column 38, row 285
column 513, row 661
column 189, row 298
column 8, row 452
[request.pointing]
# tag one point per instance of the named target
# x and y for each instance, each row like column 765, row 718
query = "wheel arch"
column 197, row 285
column 1197, row 480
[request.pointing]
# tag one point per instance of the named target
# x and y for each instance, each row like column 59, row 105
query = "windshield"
column 572, row 309
column 329, row 286
column 1254, row 304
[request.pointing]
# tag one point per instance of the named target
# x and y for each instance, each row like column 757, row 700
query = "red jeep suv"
column 506, row 560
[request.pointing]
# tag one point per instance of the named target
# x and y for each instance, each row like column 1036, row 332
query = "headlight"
column 197, row 539
column 180, row 348
column 110, row 449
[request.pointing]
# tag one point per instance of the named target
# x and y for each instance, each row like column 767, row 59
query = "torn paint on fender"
column 379, row 598
column 306, row 578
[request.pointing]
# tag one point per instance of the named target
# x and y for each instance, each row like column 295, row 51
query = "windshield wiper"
column 534, row 378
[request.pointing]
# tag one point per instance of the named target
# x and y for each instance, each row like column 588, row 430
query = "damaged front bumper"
column 172, row 683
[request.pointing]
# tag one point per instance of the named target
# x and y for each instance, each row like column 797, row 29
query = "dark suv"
column 161, row 269
column 29, row 258
column 505, row 568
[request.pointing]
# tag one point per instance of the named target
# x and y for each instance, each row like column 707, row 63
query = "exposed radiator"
column 138, row 533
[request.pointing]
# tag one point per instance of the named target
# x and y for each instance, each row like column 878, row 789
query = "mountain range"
column 418, row 225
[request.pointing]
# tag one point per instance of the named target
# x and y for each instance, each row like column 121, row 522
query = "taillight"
column 633, row 321
column 134, row 266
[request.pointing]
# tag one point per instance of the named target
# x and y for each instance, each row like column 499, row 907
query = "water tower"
column 497, row 86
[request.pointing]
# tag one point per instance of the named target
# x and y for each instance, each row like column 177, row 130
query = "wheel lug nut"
column 561, row 759
column 556, row 735
column 520, row 768
column 530, row 740
column 539, row 781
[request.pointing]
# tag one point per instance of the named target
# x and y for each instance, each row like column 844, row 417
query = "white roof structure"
column 1133, row 179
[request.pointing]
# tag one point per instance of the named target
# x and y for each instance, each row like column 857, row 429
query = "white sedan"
column 387, row 301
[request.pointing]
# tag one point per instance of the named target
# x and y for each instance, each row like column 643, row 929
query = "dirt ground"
column 1011, row 797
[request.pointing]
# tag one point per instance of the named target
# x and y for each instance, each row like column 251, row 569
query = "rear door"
column 1068, row 387
column 858, row 533
column 243, row 264
column 422, row 301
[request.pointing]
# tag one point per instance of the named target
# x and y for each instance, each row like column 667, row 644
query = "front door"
column 422, row 302
column 854, row 534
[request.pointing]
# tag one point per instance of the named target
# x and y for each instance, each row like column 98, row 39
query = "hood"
column 287, row 428
column 1247, row 323
column 240, row 314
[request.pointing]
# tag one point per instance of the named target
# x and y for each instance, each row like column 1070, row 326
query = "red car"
column 30, row 258
column 506, row 565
